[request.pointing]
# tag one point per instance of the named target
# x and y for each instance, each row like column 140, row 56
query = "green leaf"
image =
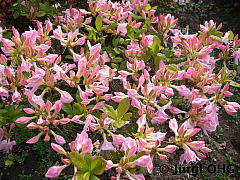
column 78, row 176
column 88, row 159
column 215, row 38
column 117, row 60
column 118, row 123
column 112, row 26
column 175, row 102
column 223, row 74
column 172, row 68
column 68, row 57
column 94, row 177
column 155, row 46
column 148, row 7
column 67, row 108
column 123, row 107
column 234, row 84
column 77, row 109
column 86, row 176
column 140, row 31
column 130, row 32
column 8, row 162
column 110, row 111
column 113, row 65
column 115, row 42
column 231, row 36
column 98, row 165
column 123, row 65
column 126, row 117
column 41, row 14
column 16, row 14
column 90, row 28
column 10, row 157
column 163, row 101
column 79, row 162
column 79, row 100
column 157, row 60
column 98, row 22
column 136, row 17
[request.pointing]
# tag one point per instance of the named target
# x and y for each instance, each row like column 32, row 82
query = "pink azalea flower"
column 118, row 139
column 135, row 176
column 196, row 145
column 182, row 90
column 119, row 96
column 83, row 143
column 143, row 161
column 107, row 146
column 65, row 96
column 121, row 29
column 199, row 102
column 130, row 144
column 188, row 156
column 16, row 96
column 6, row 145
column 170, row 148
column 173, row 125
column 141, row 122
column 3, row 92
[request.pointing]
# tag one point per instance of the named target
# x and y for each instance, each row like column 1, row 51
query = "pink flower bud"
column 107, row 97
column 170, row 148
column 133, row 93
column 24, row 120
column 57, row 106
column 47, row 138
column 58, row 148
column 28, row 110
column 34, row 139
column 169, row 91
column 196, row 145
column 141, row 122
column 206, row 150
column 162, row 156
column 109, row 165
column 54, row 171
column 65, row 96
column 59, row 139
column 66, row 161
column 48, row 106
column 32, row 125
column 12, row 126
column 3, row 59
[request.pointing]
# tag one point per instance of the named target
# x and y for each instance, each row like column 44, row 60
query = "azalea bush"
column 62, row 75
